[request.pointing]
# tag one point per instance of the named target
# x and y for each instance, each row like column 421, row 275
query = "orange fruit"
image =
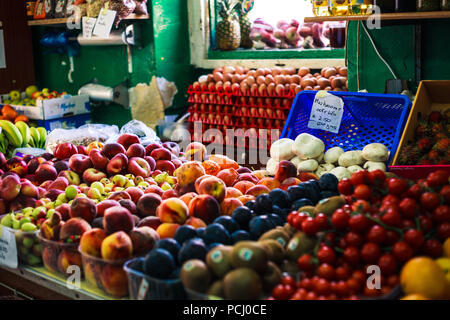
column 422, row 275
column 9, row 113
column 211, row 167
column 21, row 117
column 414, row 296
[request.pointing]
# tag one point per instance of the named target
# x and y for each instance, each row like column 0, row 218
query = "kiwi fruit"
column 298, row 245
column 277, row 234
column 242, row 284
column 275, row 251
column 216, row 289
column 195, row 275
column 218, row 260
column 307, row 209
column 289, row 266
column 271, row 277
column 249, row 254
column 330, row 205
column 290, row 230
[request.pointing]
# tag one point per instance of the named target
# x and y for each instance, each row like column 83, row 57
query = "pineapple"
column 246, row 28
column 228, row 31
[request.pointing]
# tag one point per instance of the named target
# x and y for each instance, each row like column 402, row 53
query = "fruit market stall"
column 274, row 180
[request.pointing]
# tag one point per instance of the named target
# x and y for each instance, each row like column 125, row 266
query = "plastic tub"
column 367, row 118
column 29, row 249
column 106, row 275
column 144, row 287
column 58, row 256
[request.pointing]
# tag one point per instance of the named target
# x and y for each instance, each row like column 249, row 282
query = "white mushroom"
column 296, row 161
column 377, row 152
column 332, row 155
column 319, row 158
column 307, row 146
column 373, row 165
column 354, row 168
column 341, row 173
column 351, row 158
column 308, row 165
column 324, row 168
column 271, row 166
column 282, row 149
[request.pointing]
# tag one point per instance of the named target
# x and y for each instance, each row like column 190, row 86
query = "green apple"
column 50, row 213
column 160, row 178
column 7, row 221
column 99, row 186
column 94, row 193
column 14, row 95
column 30, row 90
column 71, row 192
column 130, row 183
column 166, row 186
column 105, row 181
column 119, row 180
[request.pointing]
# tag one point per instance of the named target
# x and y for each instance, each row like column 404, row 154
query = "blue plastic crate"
column 367, row 118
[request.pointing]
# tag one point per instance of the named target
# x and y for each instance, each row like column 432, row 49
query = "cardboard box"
column 65, row 123
column 55, row 108
column 432, row 95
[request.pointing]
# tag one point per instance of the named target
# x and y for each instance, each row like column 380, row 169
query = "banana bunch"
column 19, row 135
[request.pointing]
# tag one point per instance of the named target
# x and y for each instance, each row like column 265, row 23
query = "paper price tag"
column 88, row 26
column 143, row 288
column 326, row 112
column 104, row 23
column 8, row 249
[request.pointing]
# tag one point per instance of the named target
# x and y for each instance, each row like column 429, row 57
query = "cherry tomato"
column 392, row 217
column 359, row 276
column 391, row 237
column 353, row 239
column 387, row 264
column 288, row 280
column 371, row 292
column 376, row 177
column 359, row 177
column 362, row 191
column 353, row 285
column 291, row 216
column 299, row 295
column 430, row 200
column 442, row 213
column 310, row 226
column 280, row 292
column 402, row 251
column 415, row 191
column 426, row 224
column 393, row 280
column 311, row 296
column 432, row 247
column 445, row 194
column 408, row 224
column 306, row 284
column 326, row 271
column 408, row 208
column 391, row 199
column 332, row 296
column 331, row 237
column 298, row 220
column 443, row 231
column 370, row 252
column 397, row 186
column 343, row 273
column 321, row 220
column 414, row 238
column 340, row 218
column 305, row 262
column 351, row 255
column 361, row 206
column 342, row 289
column 437, row 178
column 326, row 255
column 377, row 234
column 322, row 287
column 358, row 223
column 345, row 187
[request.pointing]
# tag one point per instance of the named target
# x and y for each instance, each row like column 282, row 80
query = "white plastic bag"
column 146, row 134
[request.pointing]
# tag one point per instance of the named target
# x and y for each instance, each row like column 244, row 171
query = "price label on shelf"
column 326, row 112
column 88, row 26
column 104, row 23
column 8, row 249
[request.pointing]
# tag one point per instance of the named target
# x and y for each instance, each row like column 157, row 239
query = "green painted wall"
column 164, row 51
column 396, row 45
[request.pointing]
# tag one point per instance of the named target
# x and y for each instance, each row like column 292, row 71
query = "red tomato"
column 362, row 191
column 408, row 208
column 291, row 216
column 321, row 220
column 370, row 252
column 432, row 247
column 414, row 238
column 426, row 224
column 430, row 200
column 358, row 223
column 351, row 255
column 298, row 220
column 326, row 255
column 345, row 187
column 311, row 296
column 414, row 191
column 340, row 219
column 377, row 234
column 322, row 287
column 377, row 177
column 342, row 273
column 331, row 237
column 392, row 217
column 437, row 178
column 387, row 264
column 353, row 239
column 393, row 280
column 359, row 276
column 306, row 284
column 402, row 251
column 442, row 213
column 342, row 289
column 368, row 292
column 353, row 285
column 359, row 177
column 361, row 206
column 326, row 271
column 280, row 292
column 397, row 186
column 408, row 224
column 332, row 296
column 288, row 280
column 305, row 262
column 310, row 226
column 391, row 237
column 445, row 194
column 391, row 199
column 443, row 231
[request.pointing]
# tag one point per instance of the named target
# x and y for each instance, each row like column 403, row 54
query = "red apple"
column 127, row 139
column 79, row 163
column 91, row 175
column 151, row 162
column 117, row 164
column 64, row 150
column 151, row 147
column 136, row 150
column 45, row 172
column 99, row 160
column 111, row 149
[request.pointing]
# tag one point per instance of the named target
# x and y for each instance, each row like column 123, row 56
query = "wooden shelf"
column 61, row 21
column 387, row 16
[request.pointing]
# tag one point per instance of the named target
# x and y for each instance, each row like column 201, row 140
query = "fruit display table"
column 38, row 283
